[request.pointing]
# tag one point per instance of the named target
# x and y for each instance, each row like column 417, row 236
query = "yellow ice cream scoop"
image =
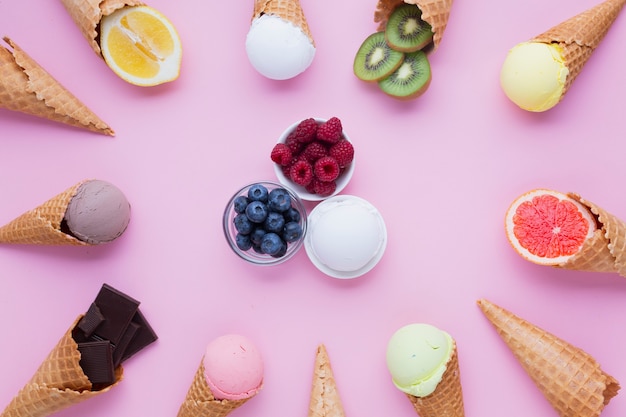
column 533, row 75
column 417, row 355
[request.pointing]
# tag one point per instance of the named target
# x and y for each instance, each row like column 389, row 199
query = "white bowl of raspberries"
column 314, row 157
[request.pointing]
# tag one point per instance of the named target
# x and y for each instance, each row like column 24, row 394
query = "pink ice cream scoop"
column 233, row 368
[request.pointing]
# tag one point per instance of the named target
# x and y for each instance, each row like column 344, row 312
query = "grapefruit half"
column 548, row 227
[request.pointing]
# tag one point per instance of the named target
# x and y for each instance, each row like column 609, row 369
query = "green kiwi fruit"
column 375, row 60
column 411, row 79
column 406, row 31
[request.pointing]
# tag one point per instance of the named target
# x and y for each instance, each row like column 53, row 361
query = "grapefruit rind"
column 165, row 64
column 524, row 252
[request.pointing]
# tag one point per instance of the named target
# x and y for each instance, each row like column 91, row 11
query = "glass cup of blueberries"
column 265, row 223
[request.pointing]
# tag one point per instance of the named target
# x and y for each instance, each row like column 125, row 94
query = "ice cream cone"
column 42, row 225
column 434, row 12
column 88, row 13
column 27, row 88
column 579, row 36
column 289, row 10
column 325, row 401
column 606, row 251
column 447, row 399
column 58, row 383
column 200, row 401
column 568, row 377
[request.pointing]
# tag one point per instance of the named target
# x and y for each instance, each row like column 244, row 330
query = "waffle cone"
column 88, row 13
column 579, row 36
column 58, row 383
column 325, row 401
column 289, row 10
column 200, row 401
column 27, row 88
column 606, row 251
column 42, row 225
column 568, row 377
column 447, row 399
column 434, row 12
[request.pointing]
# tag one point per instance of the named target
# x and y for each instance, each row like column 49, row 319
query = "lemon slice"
column 141, row 46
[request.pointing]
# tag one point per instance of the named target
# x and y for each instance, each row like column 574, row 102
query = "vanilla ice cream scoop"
column 417, row 355
column 533, row 75
column 279, row 45
column 346, row 236
column 98, row 213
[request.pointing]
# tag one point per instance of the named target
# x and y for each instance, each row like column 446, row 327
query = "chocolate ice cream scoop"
column 98, row 213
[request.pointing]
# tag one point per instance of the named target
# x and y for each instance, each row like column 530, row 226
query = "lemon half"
column 141, row 45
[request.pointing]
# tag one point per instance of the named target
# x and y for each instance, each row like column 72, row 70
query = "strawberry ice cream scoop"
column 233, row 368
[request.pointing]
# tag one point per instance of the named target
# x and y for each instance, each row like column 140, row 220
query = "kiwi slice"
column 406, row 31
column 375, row 60
column 411, row 79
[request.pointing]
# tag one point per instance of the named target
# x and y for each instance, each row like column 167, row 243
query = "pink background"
column 441, row 169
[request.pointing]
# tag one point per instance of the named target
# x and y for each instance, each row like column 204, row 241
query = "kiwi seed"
column 406, row 31
column 375, row 60
column 410, row 80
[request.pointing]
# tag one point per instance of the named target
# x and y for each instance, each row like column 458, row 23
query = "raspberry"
column 281, row 154
column 326, row 169
column 324, row 188
column 330, row 131
column 343, row 152
column 293, row 143
column 301, row 172
column 306, row 130
column 314, row 151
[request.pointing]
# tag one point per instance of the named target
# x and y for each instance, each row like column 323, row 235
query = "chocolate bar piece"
column 111, row 331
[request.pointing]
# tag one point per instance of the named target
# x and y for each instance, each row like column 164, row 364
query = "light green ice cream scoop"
column 417, row 355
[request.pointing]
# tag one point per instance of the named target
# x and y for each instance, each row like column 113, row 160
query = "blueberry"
column 242, row 224
column 279, row 200
column 271, row 243
column 256, row 211
column 240, row 204
column 243, row 241
column 274, row 222
column 258, row 192
column 292, row 215
column 257, row 235
column 292, row 231
column 281, row 252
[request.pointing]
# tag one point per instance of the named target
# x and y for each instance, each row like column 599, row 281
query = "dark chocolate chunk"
column 96, row 360
column 118, row 310
column 91, row 320
column 120, row 348
column 144, row 336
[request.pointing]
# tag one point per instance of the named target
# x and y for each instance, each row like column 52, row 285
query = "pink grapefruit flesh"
column 548, row 227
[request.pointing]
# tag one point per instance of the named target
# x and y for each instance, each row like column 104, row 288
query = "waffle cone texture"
column 88, row 13
column 447, row 399
column 289, row 10
column 569, row 378
column 42, row 225
column 58, row 383
column 580, row 35
column 435, row 12
column 325, row 400
column 27, row 88
column 200, row 401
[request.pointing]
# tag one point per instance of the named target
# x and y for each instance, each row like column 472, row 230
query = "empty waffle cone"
column 447, row 399
column 289, row 10
column 88, row 13
column 200, row 401
column 42, row 225
column 325, row 401
column 568, row 377
column 579, row 36
column 606, row 251
column 27, row 88
column 434, row 12
column 58, row 383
